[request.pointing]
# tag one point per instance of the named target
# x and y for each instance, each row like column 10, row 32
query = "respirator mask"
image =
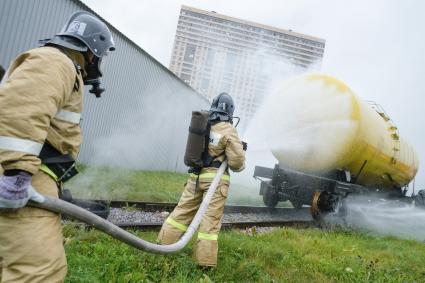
column 94, row 72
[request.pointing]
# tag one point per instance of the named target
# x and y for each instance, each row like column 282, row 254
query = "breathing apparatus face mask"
column 94, row 72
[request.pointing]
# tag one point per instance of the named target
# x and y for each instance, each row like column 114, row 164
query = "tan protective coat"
column 40, row 83
column 224, row 143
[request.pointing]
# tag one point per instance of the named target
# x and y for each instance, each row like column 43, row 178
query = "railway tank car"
column 330, row 143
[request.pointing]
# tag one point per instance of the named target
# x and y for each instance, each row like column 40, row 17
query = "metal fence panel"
column 141, row 121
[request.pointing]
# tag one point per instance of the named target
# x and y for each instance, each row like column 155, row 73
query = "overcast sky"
column 376, row 47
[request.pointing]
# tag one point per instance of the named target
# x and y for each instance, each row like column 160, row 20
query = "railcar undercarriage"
column 324, row 194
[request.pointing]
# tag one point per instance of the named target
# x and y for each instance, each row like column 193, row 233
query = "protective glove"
column 244, row 146
column 15, row 191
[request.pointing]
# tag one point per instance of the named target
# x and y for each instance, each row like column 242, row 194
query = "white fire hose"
column 76, row 212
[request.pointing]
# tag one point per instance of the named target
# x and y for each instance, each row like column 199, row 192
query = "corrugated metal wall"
column 142, row 119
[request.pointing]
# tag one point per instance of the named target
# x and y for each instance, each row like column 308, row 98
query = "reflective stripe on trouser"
column 209, row 176
column 31, row 241
column 176, row 224
column 205, row 252
column 209, row 237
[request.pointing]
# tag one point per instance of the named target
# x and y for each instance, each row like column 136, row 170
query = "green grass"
column 121, row 184
column 284, row 255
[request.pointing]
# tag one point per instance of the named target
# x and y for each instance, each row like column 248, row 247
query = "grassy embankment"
column 284, row 255
column 120, row 184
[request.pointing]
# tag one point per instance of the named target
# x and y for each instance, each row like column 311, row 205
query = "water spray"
column 59, row 206
column 376, row 215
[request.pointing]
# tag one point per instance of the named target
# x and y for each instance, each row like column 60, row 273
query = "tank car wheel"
column 315, row 210
column 270, row 197
column 328, row 209
column 420, row 199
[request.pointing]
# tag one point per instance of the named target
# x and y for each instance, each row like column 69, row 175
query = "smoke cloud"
column 271, row 117
column 376, row 47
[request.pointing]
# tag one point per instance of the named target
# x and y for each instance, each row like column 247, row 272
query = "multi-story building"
column 215, row 53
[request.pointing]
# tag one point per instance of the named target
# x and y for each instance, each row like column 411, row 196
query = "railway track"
column 132, row 215
column 169, row 206
column 225, row 225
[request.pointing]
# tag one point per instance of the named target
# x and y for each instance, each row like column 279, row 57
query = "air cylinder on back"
column 196, row 139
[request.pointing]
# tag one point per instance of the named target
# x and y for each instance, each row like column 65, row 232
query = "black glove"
column 244, row 146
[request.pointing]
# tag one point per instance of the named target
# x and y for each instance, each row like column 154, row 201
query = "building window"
column 204, row 85
column 210, row 57
column 189, row 54
column 230, row 62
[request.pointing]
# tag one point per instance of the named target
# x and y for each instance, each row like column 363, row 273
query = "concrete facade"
column 215, row 53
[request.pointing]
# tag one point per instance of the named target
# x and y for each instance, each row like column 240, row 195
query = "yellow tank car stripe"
column 209, row 176
column 208, row 237
column 176, row 224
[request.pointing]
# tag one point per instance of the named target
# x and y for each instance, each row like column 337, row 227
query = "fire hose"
column 78, row 213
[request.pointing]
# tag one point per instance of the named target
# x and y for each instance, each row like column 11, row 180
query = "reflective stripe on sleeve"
column 49, row 172
column 21, row 145
column 176, row 224
column 68, row 116
column 209, row 176
column 208, row 237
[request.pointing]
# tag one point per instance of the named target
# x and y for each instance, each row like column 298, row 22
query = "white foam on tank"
column 306, row 124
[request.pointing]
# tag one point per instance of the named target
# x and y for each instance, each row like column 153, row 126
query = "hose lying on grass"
column 73, row 211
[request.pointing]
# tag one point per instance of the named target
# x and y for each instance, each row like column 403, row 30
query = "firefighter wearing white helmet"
column 41, row 98
column 224, row 143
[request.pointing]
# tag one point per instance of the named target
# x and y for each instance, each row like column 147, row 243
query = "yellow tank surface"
column 318, row 124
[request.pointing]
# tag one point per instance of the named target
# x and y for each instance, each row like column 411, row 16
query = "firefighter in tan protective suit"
column 41, row 104
column 224, row 143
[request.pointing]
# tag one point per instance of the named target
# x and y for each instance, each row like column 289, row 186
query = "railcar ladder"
column 392, row 129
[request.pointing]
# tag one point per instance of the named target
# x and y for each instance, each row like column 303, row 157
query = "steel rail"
column 154, row 226
column 169, row 206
